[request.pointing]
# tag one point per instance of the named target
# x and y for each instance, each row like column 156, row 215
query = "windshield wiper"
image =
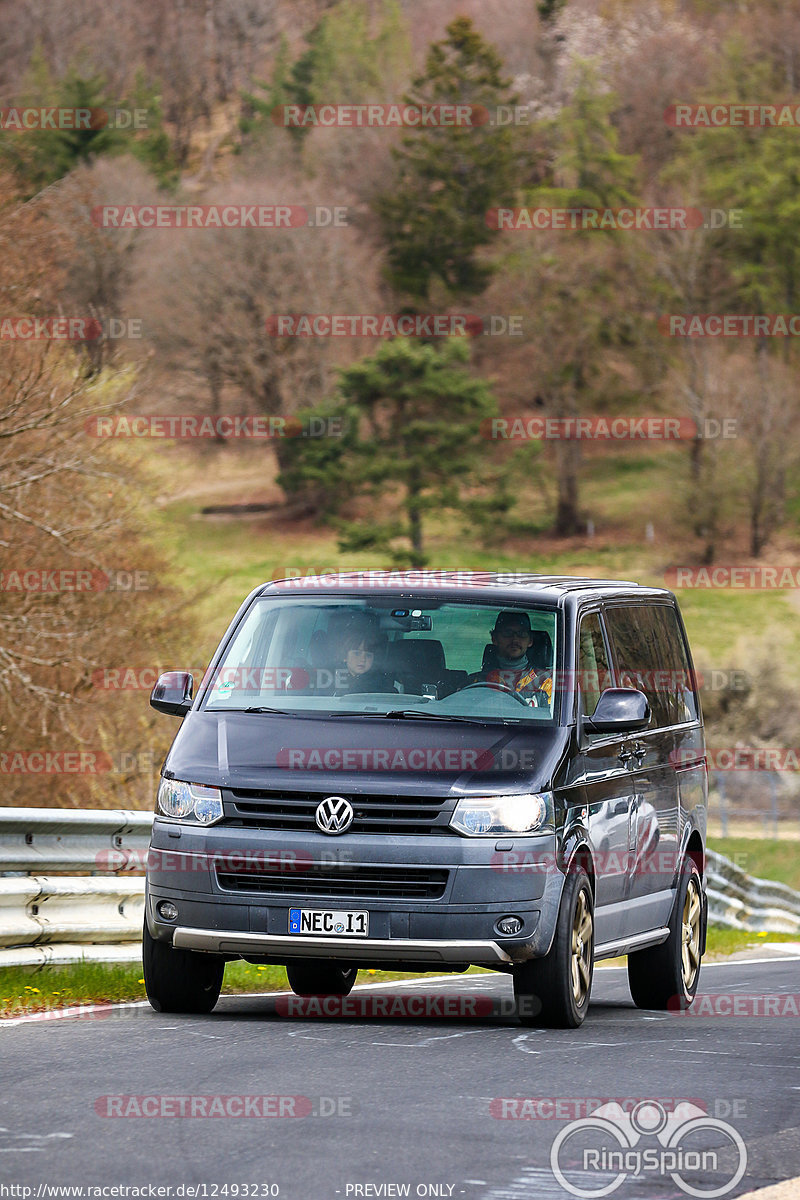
column 401, row 713
column 262, row 709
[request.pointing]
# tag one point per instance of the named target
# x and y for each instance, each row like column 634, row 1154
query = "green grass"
column 220, row 561
column 40, row 989
column 721, row 941
column 37, row 989
column 765, row 858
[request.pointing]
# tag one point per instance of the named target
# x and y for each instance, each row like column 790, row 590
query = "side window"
column 679, row 683
column 650, row 656
column 594, row 675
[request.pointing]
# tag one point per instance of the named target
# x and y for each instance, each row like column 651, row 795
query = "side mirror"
column 173, row 693
column 619, row 710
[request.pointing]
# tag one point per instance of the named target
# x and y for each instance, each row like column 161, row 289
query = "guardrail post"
column 723, row 802
column 774, row 796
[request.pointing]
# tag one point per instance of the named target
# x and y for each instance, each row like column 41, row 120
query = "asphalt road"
column 433, row 1098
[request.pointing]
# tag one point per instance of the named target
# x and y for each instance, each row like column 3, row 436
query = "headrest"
column 422, row 657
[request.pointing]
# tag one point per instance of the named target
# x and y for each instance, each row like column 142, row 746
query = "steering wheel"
column 497, row 687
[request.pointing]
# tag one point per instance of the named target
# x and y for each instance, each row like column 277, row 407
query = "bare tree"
column 95, row 263
column 82, row 589
column 767, row 411
column 208, row 296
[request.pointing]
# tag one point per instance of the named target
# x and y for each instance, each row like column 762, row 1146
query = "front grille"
column 399, row 883
column 373, row 814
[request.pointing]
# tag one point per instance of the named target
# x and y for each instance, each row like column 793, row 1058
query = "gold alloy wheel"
column 582, row 934
column 690, row 935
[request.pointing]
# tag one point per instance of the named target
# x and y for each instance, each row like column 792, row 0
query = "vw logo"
column 334, row 815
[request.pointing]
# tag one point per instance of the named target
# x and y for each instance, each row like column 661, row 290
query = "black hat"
column 511, row 614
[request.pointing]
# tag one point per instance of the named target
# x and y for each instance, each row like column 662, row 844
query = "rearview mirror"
column 172, row 693
column 619, row 710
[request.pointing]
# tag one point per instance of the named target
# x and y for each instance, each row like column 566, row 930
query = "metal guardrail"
column 739, row 901
column 41, row 840
column 97, row 915
column 93, row 915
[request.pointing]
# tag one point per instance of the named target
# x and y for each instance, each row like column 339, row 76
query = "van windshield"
column 415, row 655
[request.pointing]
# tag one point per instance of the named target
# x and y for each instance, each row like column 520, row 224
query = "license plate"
column 329, row 924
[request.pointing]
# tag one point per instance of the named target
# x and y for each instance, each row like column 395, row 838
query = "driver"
column 512, row 638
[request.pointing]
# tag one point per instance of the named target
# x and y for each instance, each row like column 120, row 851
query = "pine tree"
column 411, row 416
column 434, row 218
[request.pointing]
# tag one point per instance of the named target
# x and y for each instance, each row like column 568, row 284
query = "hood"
column 389, row 756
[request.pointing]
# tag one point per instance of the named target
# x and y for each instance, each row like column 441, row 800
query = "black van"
column 426, row 770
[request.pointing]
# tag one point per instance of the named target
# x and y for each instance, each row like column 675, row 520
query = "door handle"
column 639, row 752
column 625, row 756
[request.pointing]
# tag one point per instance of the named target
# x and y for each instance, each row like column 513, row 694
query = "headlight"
column 486, row 816
column 189, row 801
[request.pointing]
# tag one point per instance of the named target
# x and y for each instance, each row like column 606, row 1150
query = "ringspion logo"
column 612, row 1144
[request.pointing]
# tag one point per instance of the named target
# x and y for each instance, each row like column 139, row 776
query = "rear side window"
column 650, row 655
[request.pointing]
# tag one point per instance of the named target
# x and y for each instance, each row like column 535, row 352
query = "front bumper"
column 456, row 929
column 362, row 949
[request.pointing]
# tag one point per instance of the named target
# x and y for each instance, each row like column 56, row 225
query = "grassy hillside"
column 220, row 558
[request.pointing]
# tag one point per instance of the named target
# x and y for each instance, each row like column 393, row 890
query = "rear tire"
column 666, row 976
column 180, row 981
column 554, row 991
column 313, row 977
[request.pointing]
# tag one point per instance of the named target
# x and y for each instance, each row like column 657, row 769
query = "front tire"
column 554, row 991
column 666, row 976
column 180, row 981
column 313, row 977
